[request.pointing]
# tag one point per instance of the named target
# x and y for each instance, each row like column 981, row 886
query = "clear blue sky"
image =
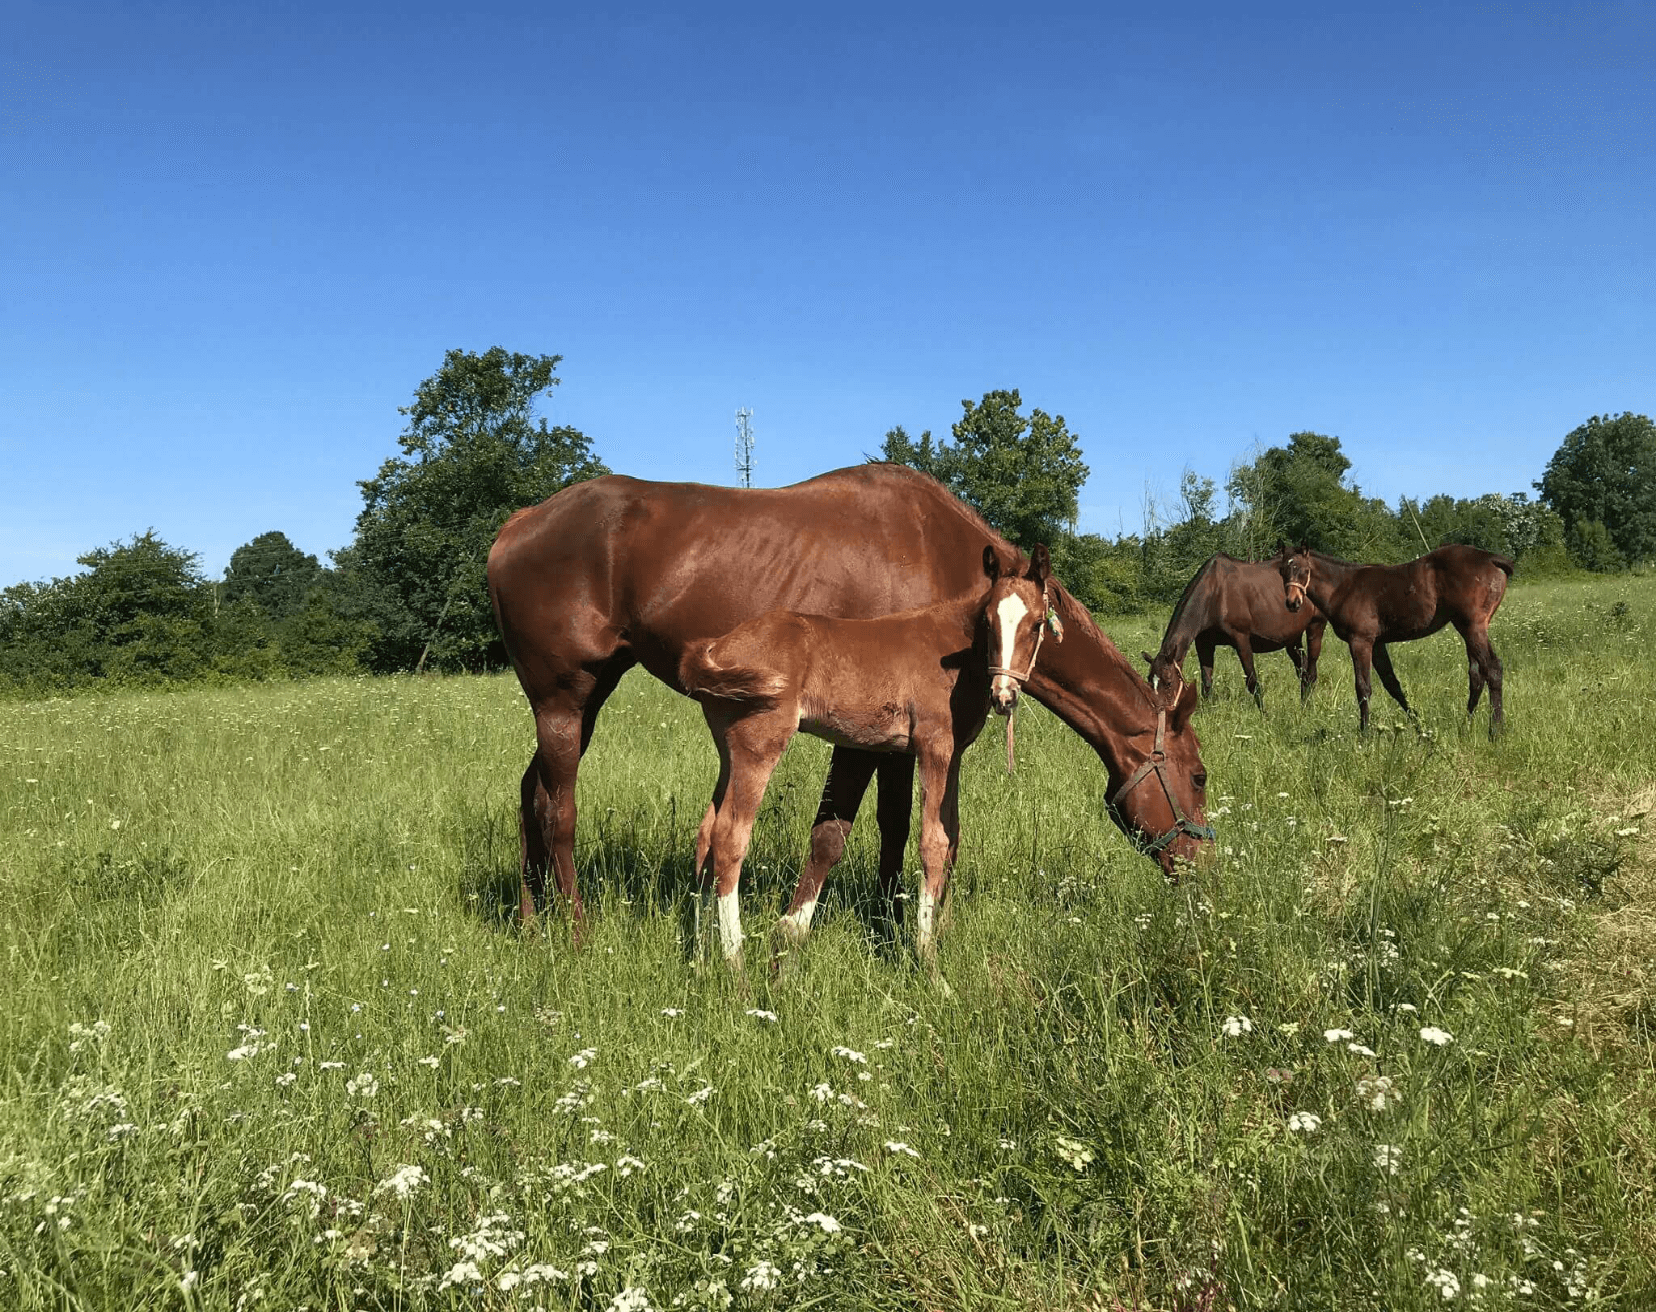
column 234, row 238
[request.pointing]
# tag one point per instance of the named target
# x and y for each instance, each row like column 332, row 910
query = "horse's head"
column 1295, row 568
column 1165, row 672
column 1161, row 804
column 1017, row 618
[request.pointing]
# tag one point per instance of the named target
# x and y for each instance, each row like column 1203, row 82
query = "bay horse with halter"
column 1372, row 605
column 921, row 682
column 616, row 572
column 1234, row 603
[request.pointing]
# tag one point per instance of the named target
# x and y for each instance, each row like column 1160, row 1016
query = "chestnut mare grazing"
column 1371, row 605
column 920, row 682
column 616, row 572
column 1235, row 603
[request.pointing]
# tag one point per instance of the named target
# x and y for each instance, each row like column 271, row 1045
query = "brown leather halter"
column 1182, row 824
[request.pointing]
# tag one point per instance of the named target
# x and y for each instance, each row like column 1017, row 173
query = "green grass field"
column 271, row 1039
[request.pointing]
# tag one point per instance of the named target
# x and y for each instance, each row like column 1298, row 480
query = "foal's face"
column 1296, row 577
column 1017, row 617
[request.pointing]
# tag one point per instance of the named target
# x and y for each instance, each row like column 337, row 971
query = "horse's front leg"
column 1250, row 676
column 1313, row 653
column 1362, row 656
column 938, row 785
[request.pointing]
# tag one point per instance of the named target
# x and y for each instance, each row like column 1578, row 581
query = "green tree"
column 1605, row 472
column 273, row 572
column 472, row 453
column 1299, row 493
column 1022, row 473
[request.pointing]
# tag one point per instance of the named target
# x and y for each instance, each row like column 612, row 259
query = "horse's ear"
column 1282, row 547
column 1184, row 707
column 1303, row 549
column 1040, row 564
column 991, row 563
column 1148, row 658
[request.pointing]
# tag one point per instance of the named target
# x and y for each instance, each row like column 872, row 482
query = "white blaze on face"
column 730, row 925
column 1009, row 613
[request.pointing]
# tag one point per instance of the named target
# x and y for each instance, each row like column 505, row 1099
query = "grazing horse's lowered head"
column 1161, row 805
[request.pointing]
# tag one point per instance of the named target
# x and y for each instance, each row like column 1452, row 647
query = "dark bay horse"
column 616, row 572
column 1237, row 603
column 920, row 682
column 1371, row 605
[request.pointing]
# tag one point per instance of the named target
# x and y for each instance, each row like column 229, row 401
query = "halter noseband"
column 1182, row 824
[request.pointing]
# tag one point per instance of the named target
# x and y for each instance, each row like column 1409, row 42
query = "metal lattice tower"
column 744, row 448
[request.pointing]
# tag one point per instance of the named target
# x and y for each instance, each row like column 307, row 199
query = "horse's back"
column 620, row 564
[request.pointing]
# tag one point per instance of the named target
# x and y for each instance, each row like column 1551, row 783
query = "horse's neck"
column 1089, row 685
column 959, row 617
column 1328, row 576
column 1183, row 627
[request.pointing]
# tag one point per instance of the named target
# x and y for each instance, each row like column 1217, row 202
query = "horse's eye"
column 1199, row 779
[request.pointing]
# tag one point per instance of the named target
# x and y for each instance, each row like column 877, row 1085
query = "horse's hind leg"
column 842, row 792
column 754, row 745
column 1205, row 649
column 1388, row 678
column 1482, row 664
column 534, row 857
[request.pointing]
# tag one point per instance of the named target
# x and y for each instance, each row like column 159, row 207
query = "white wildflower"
column 761, row 1277
column 1337, row 1035
column 850, row 1055
column 403, row 1181
column 1236, row 1026
column 1438, row 1038
column 582, row 1059
column 700, row 1096
column 1388, row 1157
column 1305, row 1122
column 1376, row 1092
column 896, row 1146
column 759, row 1013
column 362, row 1086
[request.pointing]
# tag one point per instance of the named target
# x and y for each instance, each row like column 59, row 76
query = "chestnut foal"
column 920, row 682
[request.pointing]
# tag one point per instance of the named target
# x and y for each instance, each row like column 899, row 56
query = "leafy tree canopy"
column 473, row 452
column 273, row 572
column 1022, row 473
column 1604, row 472
column 1298, row 493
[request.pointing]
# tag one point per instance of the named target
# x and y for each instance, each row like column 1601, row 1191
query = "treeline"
column 408, row 593
column 1596, row 508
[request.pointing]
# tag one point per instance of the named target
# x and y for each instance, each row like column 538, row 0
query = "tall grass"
column 271, row 1038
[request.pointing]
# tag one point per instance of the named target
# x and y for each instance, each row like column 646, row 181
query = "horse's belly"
column 885, row 734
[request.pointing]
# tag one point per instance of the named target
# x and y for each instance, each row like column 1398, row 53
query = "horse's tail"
column 702, row 676
column 1503, row 563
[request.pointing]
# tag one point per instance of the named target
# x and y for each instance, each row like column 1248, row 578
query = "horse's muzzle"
column 1295, row 596
column 1003, row 699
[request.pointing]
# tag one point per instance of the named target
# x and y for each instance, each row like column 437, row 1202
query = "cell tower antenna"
column 744, row 447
